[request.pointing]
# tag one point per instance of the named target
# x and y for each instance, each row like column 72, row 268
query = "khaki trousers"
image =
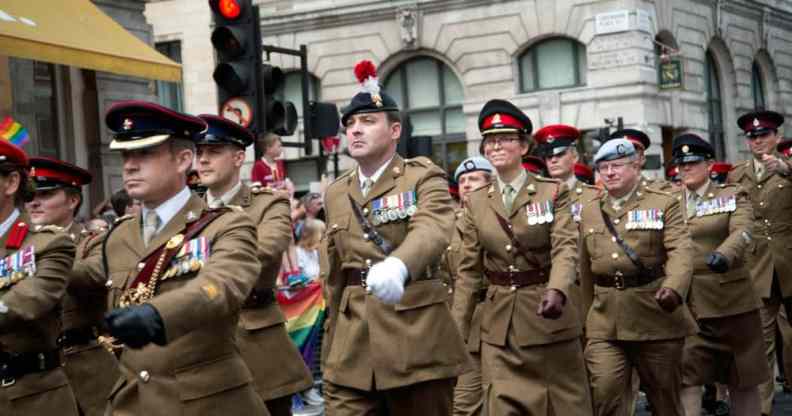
column 428, row 398
column 773, row 315
column 611, row 364
column 468, row 393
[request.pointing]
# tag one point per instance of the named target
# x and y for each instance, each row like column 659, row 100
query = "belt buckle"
column 7, row 382
column 618, row 280
column 512, row 285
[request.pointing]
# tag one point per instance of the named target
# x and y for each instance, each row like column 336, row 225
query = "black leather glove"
column 136, row 326
column 717, row 262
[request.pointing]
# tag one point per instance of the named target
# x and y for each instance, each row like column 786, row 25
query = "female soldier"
column 513, row 230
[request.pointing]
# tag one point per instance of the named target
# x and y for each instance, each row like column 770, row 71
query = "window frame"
column 716, row 131
column 758, row 85
column 576, row 52
column 166, row 48
column 444, row 138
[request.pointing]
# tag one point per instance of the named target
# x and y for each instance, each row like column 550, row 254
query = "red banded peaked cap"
column 52, row 173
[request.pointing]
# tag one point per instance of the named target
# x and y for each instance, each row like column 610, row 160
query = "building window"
column 431, row 95
column 291, row 90
column 714, row 107
column 170, row 94
column 553, row 63
column 757, row 87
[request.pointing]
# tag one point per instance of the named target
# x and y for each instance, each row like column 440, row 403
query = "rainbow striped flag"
column 305, row 311
column 12, row 131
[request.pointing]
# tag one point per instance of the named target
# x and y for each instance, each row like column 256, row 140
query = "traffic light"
column 237, row 43
column 280, row 116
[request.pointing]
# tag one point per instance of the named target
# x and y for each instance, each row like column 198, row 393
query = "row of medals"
column 649, row 219
column 716, row 206
column 392, row 214
column 539, row 213
column 15, row 276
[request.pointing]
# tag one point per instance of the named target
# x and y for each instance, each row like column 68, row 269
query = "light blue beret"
column 614, row 149
column 473, row 164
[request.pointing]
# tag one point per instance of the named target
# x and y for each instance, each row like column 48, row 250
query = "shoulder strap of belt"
column 165, row 253
column 384, row 245
column 507, row 228
column 631, row 254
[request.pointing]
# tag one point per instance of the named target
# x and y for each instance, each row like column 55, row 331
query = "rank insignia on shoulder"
column 394, row 207
column 47, row 228
column 539, row 212
column 645, row 219
column 191, row 257
column 716, row 206
column 17, row 266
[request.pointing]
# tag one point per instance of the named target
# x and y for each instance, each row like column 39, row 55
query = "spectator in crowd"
column 270, row 169
column 308, row 247
column 310, row 206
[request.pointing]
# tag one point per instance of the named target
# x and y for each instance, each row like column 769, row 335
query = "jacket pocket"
column 253, row 319
column 208, row 378
column 37, row 383
column 422, row 293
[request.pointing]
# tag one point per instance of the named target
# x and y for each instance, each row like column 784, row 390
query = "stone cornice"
column 356, row 14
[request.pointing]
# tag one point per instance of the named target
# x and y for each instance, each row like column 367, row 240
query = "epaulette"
column 544, row 179
column 343, row 175
column 658, row 191
column 420, row 161
column 235, row 208
column 123, row 218
column 256, row 190
column 48, row 229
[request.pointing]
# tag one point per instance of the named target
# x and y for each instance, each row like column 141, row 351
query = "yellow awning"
column 76, row 33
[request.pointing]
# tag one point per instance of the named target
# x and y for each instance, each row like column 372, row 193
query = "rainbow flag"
column 305, row 311
column 12, row 131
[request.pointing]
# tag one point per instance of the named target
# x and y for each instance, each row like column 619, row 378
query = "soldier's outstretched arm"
column 564, row 240
column 741, row 224
column 36, row 296
column 88, row 272
column 274, row 235
column 222, row 284
column 678, row 246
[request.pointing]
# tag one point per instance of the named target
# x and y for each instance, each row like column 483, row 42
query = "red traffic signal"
column 229, row 9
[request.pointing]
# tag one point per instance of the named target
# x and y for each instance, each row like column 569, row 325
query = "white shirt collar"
column 6, row 225
column 226, row 197
column 571, row 182
column 517, row 183
column 168, row 209
column 375, row 177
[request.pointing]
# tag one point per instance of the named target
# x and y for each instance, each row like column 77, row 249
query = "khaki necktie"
column 150, row 225
column 367, row 185
column 508, row 197
column 760, row 171
column 692, row 202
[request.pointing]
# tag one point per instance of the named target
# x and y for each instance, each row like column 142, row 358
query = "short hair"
column 267, row 140
column 178, row 144
column 393, row 117
column 120, row 201
column 73, row 191
column 27, row 189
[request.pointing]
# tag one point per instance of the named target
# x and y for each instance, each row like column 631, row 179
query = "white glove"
column 385, row 280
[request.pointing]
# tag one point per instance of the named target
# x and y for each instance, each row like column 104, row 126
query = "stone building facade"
column 562, row 61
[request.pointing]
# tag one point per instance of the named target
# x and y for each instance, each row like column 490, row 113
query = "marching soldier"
column 33, row 282
column 767, row 180
column 641, row 142
column 261, row 332
column 178, row 275
column 473, row 173
column 636, row 250
column 518, row 233
column 558, row 144
column 391, row 346
column 728, row 347
column 92, row 370
column 719, row 172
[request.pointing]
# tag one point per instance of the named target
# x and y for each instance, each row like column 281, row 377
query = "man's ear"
column 395, row 128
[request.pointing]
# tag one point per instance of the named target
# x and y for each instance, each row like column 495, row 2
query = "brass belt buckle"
column 512, row 284
column 618, row 280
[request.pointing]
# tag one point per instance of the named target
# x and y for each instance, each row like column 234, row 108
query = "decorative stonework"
column 407, row 19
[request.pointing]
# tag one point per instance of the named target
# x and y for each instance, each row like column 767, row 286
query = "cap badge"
column 127, row 125
column 33, row 172
column 496, row 119
column 376, row 99
column 685, row 149
column 550, row 139
column 620, row 150
column 756, row 122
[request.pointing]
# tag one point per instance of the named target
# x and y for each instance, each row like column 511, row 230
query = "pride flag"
column 12, row 131
column 305, row 311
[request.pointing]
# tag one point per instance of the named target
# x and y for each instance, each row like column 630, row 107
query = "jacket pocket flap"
column 338, row 224
column 252, row 319
column 37, row 383
column 422, row 293
column 210, row 378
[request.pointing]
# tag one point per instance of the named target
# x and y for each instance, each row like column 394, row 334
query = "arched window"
column 757, row 87
column 431, row 95
column 714, row 107
column 291, row 90
column 553, row 63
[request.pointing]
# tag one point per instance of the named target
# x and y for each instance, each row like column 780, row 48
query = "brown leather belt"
column 517, row 279
column 78, row 336
column 14, row 366
column 622, row 281
column 259, row 299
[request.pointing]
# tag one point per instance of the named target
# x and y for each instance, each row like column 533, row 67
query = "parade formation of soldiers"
column 550, row 288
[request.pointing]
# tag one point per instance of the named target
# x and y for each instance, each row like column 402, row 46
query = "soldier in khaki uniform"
column 178, row 275
column 261, row 332
column 391, row 347
column 92, row 370
column 637, row 251
column 557, row 144
column 32, row 284
column 767, row 178
column 642, row 142
column 518, row 232
column 728, row 347
column 473, row 173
